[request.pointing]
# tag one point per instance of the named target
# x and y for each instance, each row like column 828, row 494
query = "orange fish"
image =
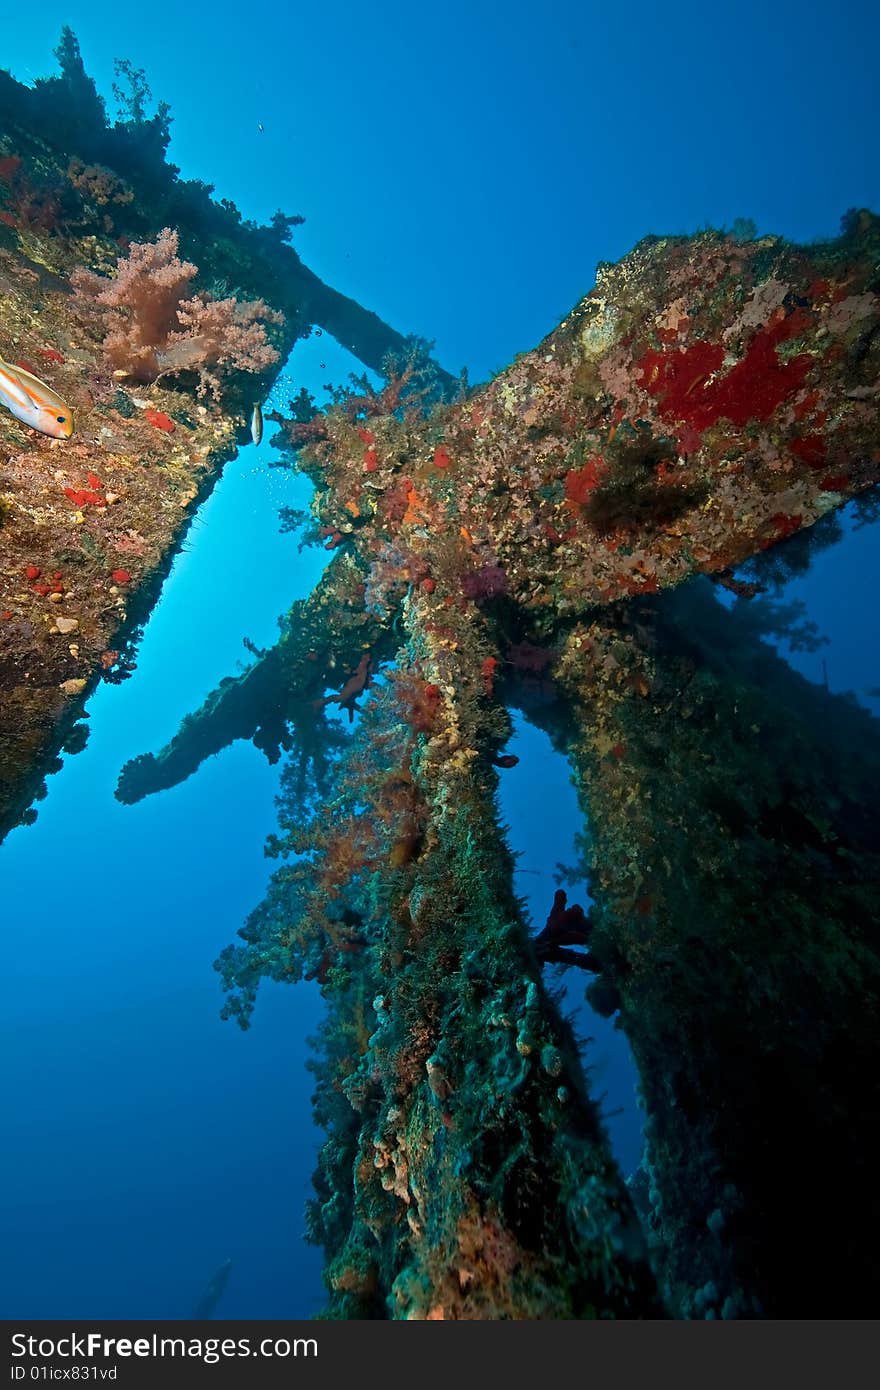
column 33, row 402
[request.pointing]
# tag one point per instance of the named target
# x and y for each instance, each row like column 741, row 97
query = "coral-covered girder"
column 706, row 402
column 275, row 703
column 734, row 858
column 466, row 1173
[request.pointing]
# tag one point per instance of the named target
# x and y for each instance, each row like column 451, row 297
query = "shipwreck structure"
column 137, row 343
column 557, row 540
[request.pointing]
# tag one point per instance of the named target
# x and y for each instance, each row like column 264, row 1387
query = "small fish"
column 256, row 423
column 33, row 402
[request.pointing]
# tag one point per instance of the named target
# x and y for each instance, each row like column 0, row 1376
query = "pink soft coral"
column 139, row 303
column 153, row 331
column 220, row 333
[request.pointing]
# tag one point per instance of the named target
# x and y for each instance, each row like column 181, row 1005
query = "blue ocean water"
column 145, row 1140
column 461, row 179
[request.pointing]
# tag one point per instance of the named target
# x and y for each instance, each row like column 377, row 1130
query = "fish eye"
column 61, row 419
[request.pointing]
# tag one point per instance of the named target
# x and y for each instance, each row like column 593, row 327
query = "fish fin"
column 47, row 398
column 27, row 376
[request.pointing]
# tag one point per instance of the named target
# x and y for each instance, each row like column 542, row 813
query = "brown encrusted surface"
column 146, row 481
column 88, row 526
column 707, row 399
